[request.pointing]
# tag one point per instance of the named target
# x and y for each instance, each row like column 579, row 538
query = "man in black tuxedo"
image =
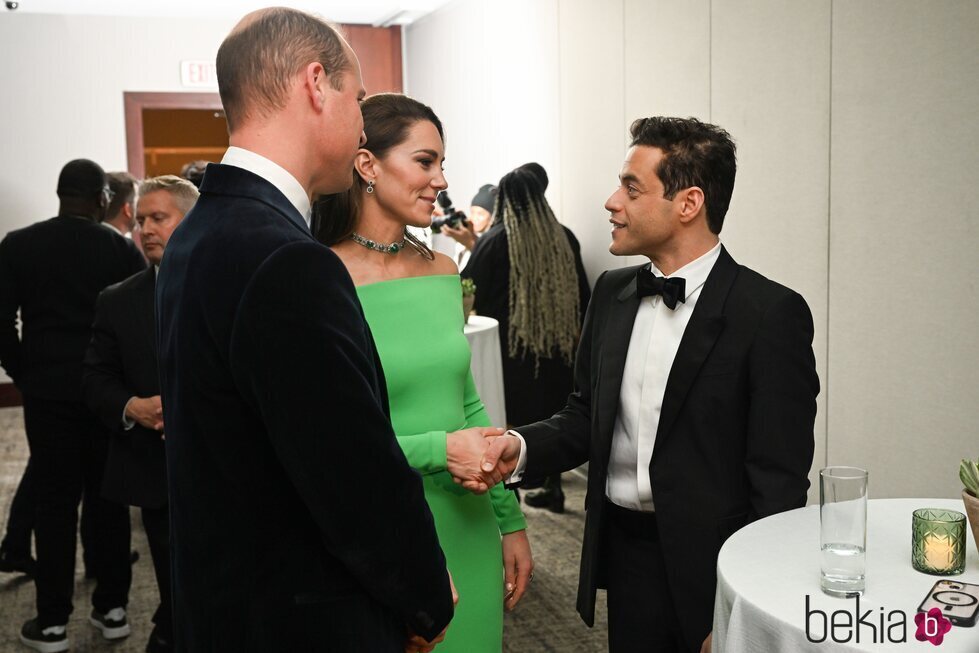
column 121, row 384
column 296, row 522
column 694, row 401
column 52, row 272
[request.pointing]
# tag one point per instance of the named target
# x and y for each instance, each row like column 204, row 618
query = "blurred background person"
column 411, row 295
column 194, row 172
column 120, row 216
column 529, row 276
column 52, row 272
column 122, row 387
column 480, row 218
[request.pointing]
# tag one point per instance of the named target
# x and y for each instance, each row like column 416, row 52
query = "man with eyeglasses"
column 52, row 272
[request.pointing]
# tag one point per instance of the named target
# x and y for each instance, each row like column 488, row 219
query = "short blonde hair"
column 184, row 193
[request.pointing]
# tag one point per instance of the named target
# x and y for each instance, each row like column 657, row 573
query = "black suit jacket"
column 297, row 524
column 121, row 363
column 52, row 271
column 735, row 436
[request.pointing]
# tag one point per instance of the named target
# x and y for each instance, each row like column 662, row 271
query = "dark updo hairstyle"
column 388, row 117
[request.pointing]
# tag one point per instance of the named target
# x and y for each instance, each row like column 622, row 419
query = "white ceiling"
column 366, row 12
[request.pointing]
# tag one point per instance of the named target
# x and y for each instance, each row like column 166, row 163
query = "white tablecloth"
column 483, row 334
column 766, row 570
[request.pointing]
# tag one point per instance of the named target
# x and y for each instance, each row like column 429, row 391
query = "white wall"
column 904, row 303
column 63, row 82
column 857, row 156
column 490, row 72
column 63, row 79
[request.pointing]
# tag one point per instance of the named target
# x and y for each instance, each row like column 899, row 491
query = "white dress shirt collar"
column 109, row 225
column 695, row 272
column 273, row 173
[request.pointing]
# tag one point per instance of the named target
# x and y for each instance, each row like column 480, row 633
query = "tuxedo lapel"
column 706, row 324
column 615, row 345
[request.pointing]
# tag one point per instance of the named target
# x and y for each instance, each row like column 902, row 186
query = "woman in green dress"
column 412, row 299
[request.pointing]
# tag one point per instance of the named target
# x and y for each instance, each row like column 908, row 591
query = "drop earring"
column 370, row 187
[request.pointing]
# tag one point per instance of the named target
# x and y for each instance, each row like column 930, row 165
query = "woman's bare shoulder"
column 443, row 264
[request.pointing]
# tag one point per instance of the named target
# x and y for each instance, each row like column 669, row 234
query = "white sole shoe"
column 45, row 647
column 110, row 632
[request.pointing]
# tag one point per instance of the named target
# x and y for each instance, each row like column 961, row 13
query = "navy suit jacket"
column 735, row 435
column 120, row 363
column 296, row 522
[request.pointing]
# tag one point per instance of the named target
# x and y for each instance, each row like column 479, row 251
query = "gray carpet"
column 544, row 621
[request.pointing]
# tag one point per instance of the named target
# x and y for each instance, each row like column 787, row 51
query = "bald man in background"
column 52, row 273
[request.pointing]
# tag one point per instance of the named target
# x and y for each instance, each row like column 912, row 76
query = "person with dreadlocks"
column 528, row 274
column 412, row 297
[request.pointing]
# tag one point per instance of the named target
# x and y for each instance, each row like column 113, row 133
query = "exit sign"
column 198, row 74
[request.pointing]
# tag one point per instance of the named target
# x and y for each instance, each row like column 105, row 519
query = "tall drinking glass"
column 843, row 530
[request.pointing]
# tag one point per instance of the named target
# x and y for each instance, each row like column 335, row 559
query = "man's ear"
column 364, row 164
column 127, row 210
column 315, row 84
column 690, row 203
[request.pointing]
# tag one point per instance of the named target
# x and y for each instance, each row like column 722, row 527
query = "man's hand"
column 464, row 453
column 518, row 567
column 705, row 647
column 500, row 457
column 146, row 411
column 417, row 643
column 464, row 234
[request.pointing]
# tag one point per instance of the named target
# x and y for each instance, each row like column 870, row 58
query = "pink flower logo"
column 931, row 626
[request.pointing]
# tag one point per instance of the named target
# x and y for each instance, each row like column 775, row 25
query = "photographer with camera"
column 465, row 230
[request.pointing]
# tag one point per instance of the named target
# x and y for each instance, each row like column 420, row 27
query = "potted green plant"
column 468, row 297
column 969, row 473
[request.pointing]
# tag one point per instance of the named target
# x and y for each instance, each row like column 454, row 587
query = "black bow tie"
column 648, row 284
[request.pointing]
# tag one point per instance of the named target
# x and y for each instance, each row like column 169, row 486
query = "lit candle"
column 938, row 541
column 938, row 552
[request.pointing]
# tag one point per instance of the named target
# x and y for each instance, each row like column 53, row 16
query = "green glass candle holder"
column 938, row 541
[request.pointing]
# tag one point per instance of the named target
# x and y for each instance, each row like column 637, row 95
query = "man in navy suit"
column 694, row 399
column 297, row 524
column 121, row 386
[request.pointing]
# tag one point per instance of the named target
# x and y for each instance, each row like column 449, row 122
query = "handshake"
column 479, row 458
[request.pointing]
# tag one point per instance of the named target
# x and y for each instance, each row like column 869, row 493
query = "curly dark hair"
column 695, row 153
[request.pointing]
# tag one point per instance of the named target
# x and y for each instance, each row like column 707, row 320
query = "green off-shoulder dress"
column 417, row 324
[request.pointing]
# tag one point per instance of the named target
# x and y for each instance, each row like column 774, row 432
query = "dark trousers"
column 641, row 614
column 20, row 522
column 156, row 521
column 68, row 452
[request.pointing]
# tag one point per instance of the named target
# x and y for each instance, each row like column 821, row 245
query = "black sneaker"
column 12, row 564
column 113, row 623
column 45, row 640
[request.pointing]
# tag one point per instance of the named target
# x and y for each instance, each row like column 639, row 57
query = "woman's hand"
column 518, row 567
